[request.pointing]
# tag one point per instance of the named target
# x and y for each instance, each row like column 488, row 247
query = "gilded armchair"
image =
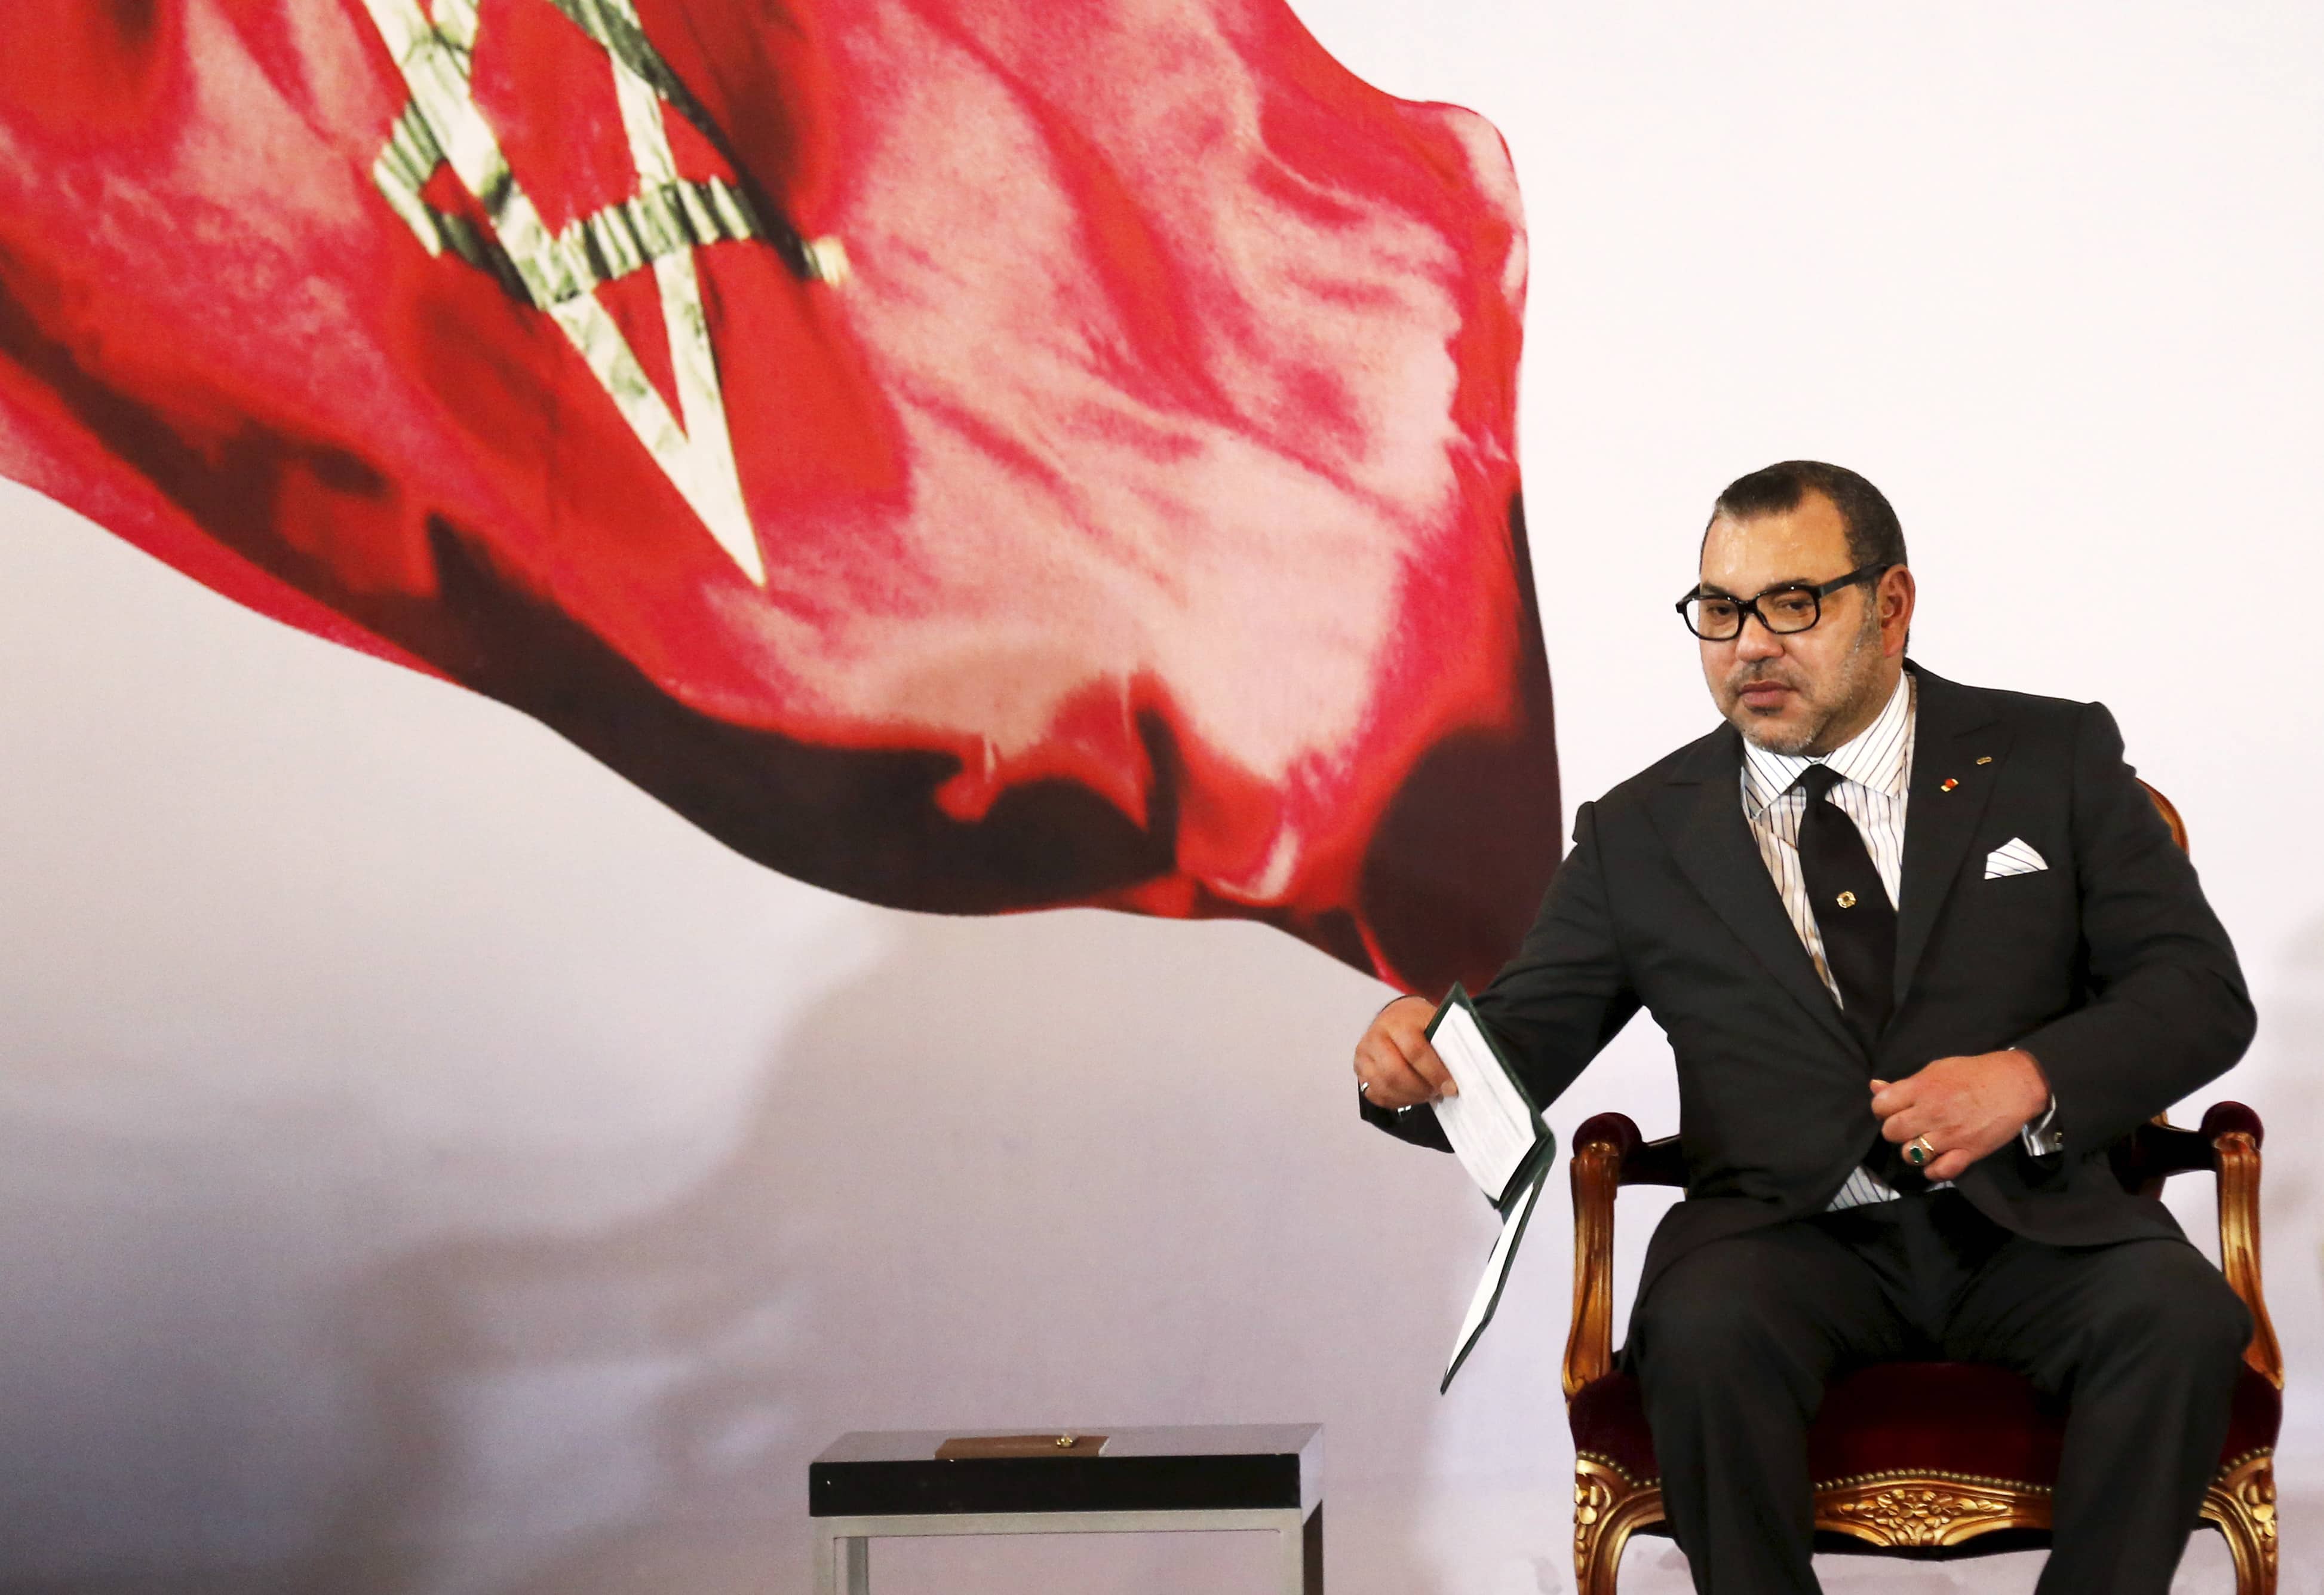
column 1917, row 1459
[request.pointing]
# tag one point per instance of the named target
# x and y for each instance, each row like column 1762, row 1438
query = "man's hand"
column 1965, row 1106
column 1395, row 1065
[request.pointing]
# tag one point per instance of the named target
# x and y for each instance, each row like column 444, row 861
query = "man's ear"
column 1896, row 594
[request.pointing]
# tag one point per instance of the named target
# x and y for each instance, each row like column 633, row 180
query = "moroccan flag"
column 971, row 455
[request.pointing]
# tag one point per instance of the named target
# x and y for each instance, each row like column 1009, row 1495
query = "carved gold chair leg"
column 1607, row 1508
column 2242, row 1502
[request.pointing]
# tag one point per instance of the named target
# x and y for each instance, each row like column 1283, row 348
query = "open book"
column 1497, row 1133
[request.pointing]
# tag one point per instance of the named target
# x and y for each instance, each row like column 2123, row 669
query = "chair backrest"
column 2170, row 813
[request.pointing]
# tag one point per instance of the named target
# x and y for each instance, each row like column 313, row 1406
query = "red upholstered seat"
column 1961, row 1418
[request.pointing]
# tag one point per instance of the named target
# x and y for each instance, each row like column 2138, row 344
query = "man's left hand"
column 1965, row 1106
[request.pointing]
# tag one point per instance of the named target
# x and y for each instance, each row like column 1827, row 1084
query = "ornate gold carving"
column 1609, row 1507
column 1928, row 1510
column 1593, row 1498
column 1917, row 1511
column 2242, row 1502
column 1596, row 1172
column 1624, row 1480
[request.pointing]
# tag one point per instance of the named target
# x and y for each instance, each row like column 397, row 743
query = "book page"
column 1497, row 1273
column 1490, row 1125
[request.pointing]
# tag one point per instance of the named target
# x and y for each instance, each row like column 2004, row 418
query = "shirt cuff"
column 2040, row 1139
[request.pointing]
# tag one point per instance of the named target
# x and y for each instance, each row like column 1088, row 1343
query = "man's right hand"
column 1395, row 1065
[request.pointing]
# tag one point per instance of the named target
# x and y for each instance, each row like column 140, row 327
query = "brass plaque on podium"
column 966, row 1446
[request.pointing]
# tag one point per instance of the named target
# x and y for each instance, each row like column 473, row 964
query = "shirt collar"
column 1877, row 757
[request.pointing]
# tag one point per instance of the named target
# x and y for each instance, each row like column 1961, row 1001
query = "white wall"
column 428, row 1166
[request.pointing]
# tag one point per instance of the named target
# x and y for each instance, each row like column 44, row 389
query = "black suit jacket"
column 2107, row 966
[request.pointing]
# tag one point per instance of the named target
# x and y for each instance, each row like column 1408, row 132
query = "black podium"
column 1235, row 1477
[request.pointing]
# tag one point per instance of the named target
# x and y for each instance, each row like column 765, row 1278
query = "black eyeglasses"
column 1716, row 617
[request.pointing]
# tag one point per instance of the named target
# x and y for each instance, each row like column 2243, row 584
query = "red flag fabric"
column 971, row 455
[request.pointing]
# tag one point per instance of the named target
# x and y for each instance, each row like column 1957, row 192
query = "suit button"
column 1848, row 899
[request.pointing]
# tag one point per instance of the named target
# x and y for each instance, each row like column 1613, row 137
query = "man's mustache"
column 1756, row 673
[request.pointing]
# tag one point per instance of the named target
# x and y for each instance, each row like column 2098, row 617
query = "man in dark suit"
column 1921, row 951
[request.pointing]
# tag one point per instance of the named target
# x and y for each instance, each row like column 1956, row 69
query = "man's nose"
column 1756, row 641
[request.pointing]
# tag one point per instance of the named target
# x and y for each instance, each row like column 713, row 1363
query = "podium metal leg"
column 843, row 1563
column 1311, row 1553
column 1299, row 1552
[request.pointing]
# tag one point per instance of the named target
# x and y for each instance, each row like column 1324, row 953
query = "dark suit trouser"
column 1735, row 1341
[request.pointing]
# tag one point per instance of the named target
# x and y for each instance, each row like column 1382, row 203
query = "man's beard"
column 1857, row 682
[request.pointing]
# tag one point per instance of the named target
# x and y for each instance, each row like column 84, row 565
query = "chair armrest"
column 2155, row 1151
column 2234, row 1133
column 1595, row 1170
column 1659, row 1162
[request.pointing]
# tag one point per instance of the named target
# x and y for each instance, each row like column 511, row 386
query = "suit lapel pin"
column 1985, row 758
column 1947, row 784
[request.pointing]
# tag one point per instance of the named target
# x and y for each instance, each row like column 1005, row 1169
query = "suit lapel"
column 1954, row 731
column 1699, row 815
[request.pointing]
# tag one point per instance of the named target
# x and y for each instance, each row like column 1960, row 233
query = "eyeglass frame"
column 1747, row 609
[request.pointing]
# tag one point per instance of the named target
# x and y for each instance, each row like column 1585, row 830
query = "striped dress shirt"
column 1875, row 771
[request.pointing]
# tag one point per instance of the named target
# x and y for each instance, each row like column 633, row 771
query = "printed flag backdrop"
column 971, row 455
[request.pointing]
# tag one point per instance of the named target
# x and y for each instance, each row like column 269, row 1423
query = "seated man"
column 1922, row 950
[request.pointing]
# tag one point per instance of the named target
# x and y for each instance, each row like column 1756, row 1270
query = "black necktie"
column 1852, row 911
column 1858, row 926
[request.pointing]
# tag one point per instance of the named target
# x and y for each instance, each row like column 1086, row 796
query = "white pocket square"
column 2013, row 857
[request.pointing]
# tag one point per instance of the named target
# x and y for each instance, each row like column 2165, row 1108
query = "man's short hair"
column 1873, row 536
